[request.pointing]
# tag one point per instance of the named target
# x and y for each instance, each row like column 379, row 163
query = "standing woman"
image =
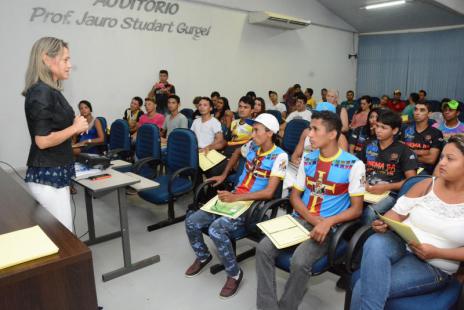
column 51, row 124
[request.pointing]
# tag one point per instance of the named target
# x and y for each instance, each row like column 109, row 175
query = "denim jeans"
column 219, row 229
column 382, row 207
column 301, row 264
column 389, row 270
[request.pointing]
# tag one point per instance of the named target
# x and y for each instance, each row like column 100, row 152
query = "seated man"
column 388, row 163
column 240, row 130
column 396, row 104
column 265, row 167
column 174, row 119
column 422, row 138
column 207, row 129
column 331, row 182
column 451, row 125
column 132, row 114
column 300, row 112
column 408, row 111
column 349, row 103
column 276, row 105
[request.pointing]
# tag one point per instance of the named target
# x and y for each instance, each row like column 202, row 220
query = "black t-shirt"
column 388, row 165
column 162, row 98
column 425, row 140
column 359, row 138
column 48, row 111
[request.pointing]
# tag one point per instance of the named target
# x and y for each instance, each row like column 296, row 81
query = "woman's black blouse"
column 48, row 111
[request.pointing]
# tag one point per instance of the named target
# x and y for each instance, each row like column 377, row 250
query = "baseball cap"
column 326, row 106
column 268, row 120
column 397, row 91
column 452, row 104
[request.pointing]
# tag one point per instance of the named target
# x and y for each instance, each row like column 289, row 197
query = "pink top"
column 359, row 119
column 157, row 119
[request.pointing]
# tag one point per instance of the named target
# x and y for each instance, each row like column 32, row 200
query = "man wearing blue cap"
column 265, row 167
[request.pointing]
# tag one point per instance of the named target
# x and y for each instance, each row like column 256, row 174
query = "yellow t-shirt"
column 241, row 133
column 311, row 103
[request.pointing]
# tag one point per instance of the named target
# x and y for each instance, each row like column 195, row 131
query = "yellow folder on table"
column 229, row 209
column 24, row 245
column 403, row 230
column 284, row 231
column 373, row 198
column 208, row 161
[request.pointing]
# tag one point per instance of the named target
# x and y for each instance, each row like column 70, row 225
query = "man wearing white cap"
column 265, row 167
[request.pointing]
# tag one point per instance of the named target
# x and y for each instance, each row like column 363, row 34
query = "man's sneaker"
column 230, row 288
column 197, row 267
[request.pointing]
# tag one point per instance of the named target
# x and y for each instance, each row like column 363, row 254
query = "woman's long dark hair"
column 224, row 108
column 367, row 128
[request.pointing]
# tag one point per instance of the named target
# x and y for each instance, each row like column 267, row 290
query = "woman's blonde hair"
column 37, row 69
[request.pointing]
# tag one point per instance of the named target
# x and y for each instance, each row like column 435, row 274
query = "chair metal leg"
column 171, row 220
column 348, row 294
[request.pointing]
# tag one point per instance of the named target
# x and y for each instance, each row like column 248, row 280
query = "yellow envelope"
column 372, row 198
column 24, row 245
column 284, row 231
column 208, row 161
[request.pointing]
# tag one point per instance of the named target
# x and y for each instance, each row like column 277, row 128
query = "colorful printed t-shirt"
column 259, row 167
column 241, row 133
column 447, row 131
column 328, row 183
column 387, row 165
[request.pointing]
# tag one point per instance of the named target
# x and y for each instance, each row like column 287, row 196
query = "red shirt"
column 157, row 119
column 396, row 106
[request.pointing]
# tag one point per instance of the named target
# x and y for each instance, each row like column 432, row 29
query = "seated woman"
column 260, row 107
column 223, row 113
column 362, row 135
column 360, row 118
column 434, row 209
column 87, row 141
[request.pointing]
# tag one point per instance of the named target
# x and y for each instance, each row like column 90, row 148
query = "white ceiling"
column 414, row 14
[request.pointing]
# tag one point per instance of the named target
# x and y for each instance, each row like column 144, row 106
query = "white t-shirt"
column 306, row 115
column 434, row 222
column 278, row 107
column 205, row 131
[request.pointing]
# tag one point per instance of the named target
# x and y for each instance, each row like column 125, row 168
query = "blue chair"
column 292, row 134
column 277, row 115
column 445, row 298
column 180, row 178
column 334, row 261
column 187, row 112
column 104, row 148
column 147, row 151
column 120, row 141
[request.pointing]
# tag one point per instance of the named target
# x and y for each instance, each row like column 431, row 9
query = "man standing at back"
column 161, row 91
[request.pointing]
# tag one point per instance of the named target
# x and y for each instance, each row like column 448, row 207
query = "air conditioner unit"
column 277, row 20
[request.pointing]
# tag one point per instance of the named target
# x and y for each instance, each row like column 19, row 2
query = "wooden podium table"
column 61, row 281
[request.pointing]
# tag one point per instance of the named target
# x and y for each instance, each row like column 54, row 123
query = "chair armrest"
column 355, row 245
column 114, row 153
column 190, row 171
column 145, row 161
column 339, row 234
column 274, row 206
column 202, row 188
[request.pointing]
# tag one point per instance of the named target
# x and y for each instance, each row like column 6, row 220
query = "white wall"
column 111, row 65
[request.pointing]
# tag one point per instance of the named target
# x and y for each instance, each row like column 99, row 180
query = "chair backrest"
column 292, row 134
column 277, row 115
column 104, row 126
column 435, row 105
column 187, row 112
column 119, row 135
column 410, row 183
column 182, row 150
column 148, row 142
